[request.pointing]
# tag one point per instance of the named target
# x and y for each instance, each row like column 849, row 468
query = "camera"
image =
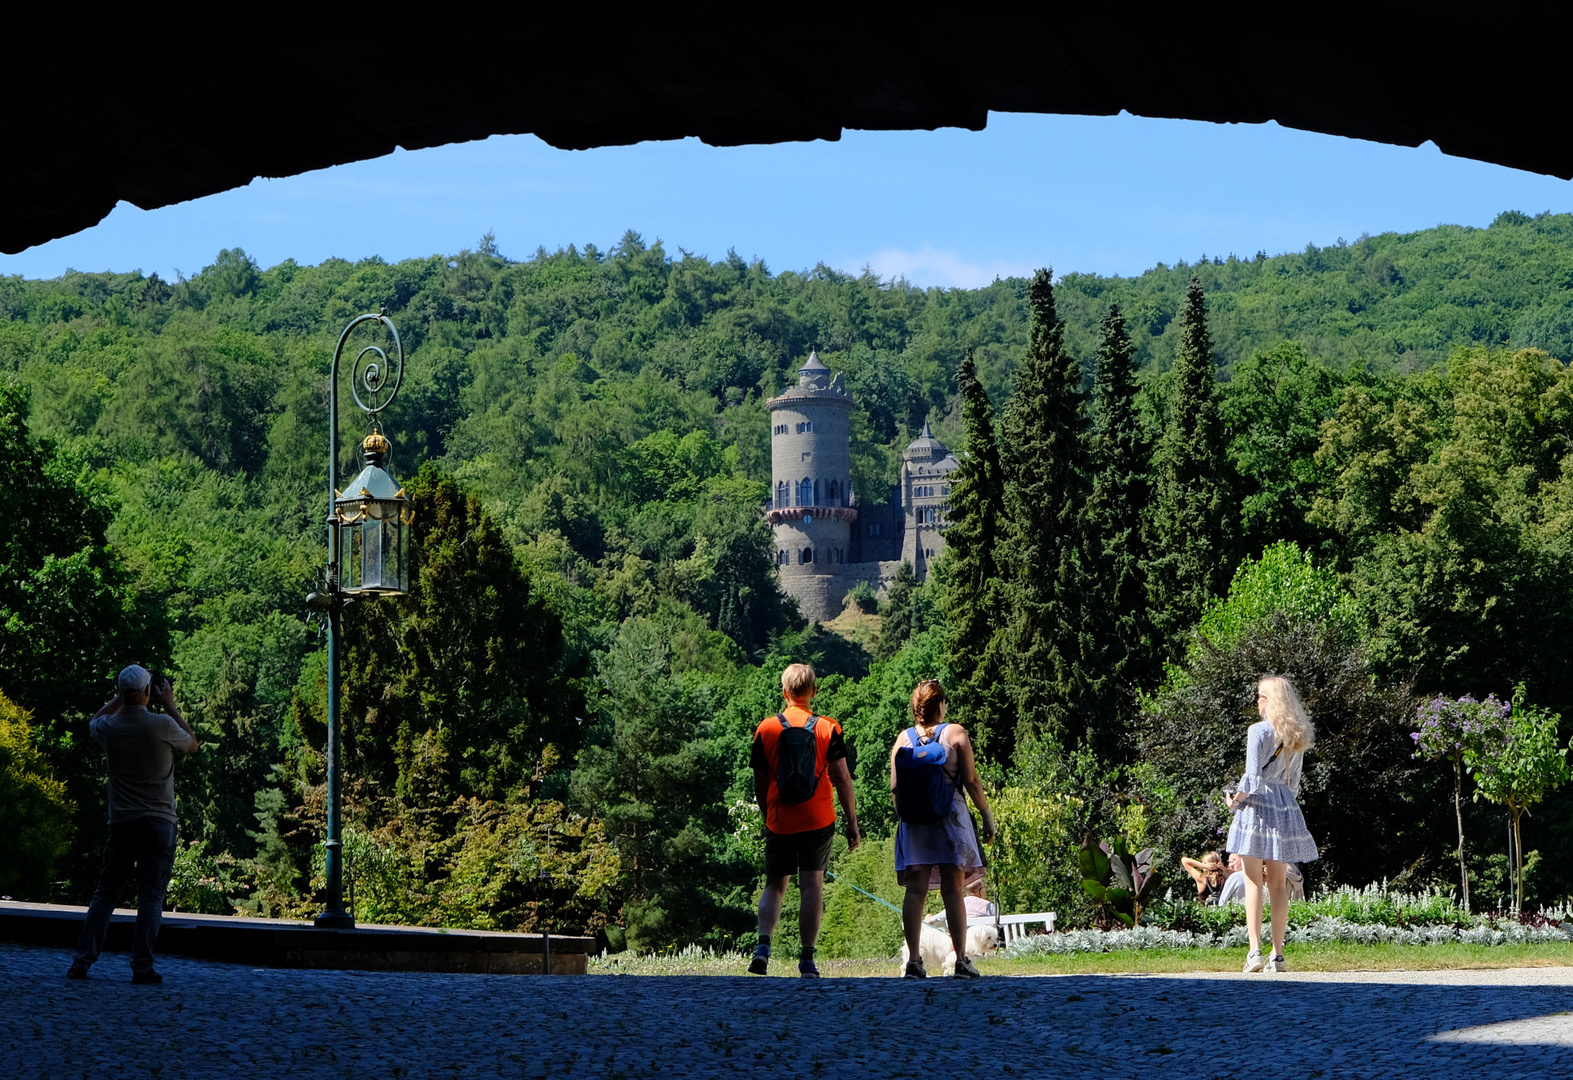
column 159, row 681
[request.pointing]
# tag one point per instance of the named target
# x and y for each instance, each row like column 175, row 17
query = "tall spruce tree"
column 974, row 597
column 1121, row 489
column 1044, row 453
column 1193, row 529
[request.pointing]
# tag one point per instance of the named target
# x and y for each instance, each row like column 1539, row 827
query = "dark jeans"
column 147, row 846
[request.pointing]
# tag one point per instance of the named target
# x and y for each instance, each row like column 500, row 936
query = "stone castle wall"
column 820, row 590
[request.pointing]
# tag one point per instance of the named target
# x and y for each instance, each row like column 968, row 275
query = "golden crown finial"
column 376, row 447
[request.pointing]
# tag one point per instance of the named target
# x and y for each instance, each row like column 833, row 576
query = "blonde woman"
column 936, row 842
column 1269, row 831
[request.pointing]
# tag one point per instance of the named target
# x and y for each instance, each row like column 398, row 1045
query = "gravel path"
column 219, row 1020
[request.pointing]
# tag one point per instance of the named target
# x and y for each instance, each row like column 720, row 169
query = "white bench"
column 1016, row 926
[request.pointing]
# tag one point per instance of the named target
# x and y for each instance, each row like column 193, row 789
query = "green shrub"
column 856, row 927
column 862, row 596
column 34, row 807
column 206, row 883
column 1034, row 861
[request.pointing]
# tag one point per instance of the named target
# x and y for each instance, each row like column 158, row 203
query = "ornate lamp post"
column 368, row 552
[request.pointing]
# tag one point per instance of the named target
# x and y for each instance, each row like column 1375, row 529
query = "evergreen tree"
column 903, row 613
column 1120, row 493
column 454, row 689
column 976, row 640
column 1193, row 528
column 1044, row 453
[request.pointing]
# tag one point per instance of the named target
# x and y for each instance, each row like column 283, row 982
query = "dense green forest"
column 552, row 728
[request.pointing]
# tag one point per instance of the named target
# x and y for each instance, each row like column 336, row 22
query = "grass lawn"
column 1333, row 957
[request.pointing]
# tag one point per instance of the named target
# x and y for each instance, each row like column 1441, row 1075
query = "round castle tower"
column 811, row 511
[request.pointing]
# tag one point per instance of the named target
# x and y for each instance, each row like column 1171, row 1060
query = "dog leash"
column 865, row 892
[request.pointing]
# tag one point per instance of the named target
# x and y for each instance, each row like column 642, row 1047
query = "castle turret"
column 926, row 465
column 811, row 511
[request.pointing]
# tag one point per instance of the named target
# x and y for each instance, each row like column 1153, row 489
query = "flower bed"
column 1321, row 931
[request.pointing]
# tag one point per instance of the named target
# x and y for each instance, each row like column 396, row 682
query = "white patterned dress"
column 1269, row 824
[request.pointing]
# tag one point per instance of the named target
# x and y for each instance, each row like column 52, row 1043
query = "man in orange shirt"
column 794, row 752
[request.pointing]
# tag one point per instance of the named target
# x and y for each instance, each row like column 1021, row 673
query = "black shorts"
column 789, row 853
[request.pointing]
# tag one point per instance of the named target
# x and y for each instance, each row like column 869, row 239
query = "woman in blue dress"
column 1269, row 831
column 944, row 855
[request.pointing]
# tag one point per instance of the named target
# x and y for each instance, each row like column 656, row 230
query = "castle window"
column 805, row 492
column 835, row 494
column 783, row 495
column 809, row 426
column 816, row 492
column 808, row 556
column 945, row 490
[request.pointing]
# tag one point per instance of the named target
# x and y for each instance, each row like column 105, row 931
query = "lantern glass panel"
column 402, row 529
column 349, row 557
column 371, row 554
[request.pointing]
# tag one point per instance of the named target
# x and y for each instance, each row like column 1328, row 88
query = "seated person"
column 979, row 908
column 1208, row 872
column 1233, row 891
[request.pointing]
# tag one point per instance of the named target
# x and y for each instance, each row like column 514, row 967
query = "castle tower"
column 811, row 510
column 926, row 465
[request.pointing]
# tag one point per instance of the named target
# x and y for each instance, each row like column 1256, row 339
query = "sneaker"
column 965, row 970
column 1277, row 963
column 1254, row 963
column 915, row 970
column 760, row 962
column 77, row 970
column 807, row 969
column 147, row 978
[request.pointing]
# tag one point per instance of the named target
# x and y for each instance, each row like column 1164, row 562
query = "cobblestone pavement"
column 220, row 1020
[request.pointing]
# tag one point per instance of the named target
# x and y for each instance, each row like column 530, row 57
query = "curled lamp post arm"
column 375, row 379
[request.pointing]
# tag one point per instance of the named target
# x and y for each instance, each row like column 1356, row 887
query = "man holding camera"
column 141, row 746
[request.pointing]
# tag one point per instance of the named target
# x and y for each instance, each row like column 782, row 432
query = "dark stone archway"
column 106, row 111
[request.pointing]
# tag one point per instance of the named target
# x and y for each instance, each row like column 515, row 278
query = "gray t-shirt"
column 141, row 746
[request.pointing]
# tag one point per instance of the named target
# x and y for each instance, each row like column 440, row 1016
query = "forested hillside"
column 552, row 728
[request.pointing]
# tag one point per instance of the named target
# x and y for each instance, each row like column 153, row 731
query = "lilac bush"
column 1453, row 729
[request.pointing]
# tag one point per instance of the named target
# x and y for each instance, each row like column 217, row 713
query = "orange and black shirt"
column 819, row 811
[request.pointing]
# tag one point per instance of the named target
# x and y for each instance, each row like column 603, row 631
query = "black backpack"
column 797, row 761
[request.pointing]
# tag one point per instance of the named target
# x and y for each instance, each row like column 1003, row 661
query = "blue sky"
column 1111, row 195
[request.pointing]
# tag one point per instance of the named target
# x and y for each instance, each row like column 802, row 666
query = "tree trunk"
column 1518, row 859
column 1458, row 809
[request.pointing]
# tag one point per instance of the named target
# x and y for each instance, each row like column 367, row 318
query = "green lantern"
column 374, row 518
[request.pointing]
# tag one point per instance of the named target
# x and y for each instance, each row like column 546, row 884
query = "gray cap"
column 134, row 677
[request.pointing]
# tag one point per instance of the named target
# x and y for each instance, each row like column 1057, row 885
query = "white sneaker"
column 1254, row 963
column 1277, row 963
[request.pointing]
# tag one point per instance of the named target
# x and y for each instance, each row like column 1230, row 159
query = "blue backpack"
column 923, row 792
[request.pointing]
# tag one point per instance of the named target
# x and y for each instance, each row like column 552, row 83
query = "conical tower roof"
column 926, row 446
column 813, row 363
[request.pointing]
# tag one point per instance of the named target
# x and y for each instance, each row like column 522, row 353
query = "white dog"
column 936, row 950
